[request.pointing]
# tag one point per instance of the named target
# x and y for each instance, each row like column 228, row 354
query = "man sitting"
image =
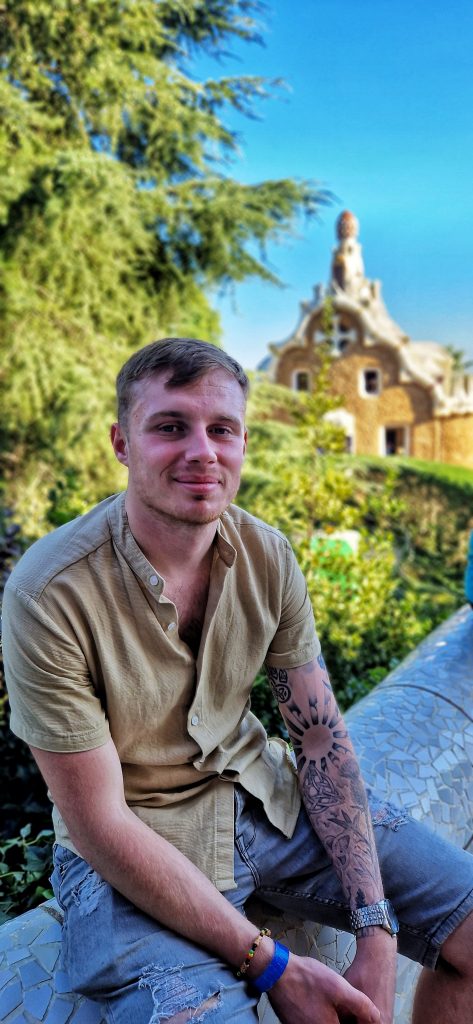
column 132, row 637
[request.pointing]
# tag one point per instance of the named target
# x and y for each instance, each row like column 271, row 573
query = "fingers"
column 376, row 977
column 310, row 993
column 354, row 1007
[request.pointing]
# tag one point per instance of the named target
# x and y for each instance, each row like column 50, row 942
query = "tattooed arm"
column 330, row 780
column 335, row 799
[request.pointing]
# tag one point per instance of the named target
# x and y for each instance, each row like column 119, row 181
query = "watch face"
column 392, row 919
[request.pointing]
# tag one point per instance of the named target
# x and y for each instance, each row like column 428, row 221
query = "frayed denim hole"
column 86, row 895
column 172, row 995
column 386, row 814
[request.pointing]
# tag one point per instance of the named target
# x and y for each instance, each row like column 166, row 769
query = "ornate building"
column 398, row 396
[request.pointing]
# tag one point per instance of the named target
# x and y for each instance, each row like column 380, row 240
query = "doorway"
column 396, row 441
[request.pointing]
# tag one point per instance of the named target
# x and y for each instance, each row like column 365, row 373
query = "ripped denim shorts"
column 143, row 973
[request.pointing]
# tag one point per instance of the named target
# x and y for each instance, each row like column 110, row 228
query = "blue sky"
column 380, row 112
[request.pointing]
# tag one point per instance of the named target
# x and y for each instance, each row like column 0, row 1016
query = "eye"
column 221, row 431
column 168, row 428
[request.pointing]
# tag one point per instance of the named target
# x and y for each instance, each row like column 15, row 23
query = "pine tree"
column 118, row 215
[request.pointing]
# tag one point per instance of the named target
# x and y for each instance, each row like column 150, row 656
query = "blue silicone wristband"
column 273, row 971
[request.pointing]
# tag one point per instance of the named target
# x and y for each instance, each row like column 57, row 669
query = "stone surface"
column 414, row 738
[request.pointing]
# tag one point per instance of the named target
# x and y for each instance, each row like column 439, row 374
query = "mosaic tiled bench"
column 414, row 738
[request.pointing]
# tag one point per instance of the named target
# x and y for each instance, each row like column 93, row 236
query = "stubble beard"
column 188, row 518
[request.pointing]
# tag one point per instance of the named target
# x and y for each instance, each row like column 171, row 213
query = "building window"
column 396, row 441
column 344, row 333
column 371, row 382
column 301, row 380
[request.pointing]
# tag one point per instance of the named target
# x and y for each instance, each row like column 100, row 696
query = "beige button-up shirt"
column 92, row 650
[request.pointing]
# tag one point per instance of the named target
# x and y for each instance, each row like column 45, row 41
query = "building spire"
column 348, row 272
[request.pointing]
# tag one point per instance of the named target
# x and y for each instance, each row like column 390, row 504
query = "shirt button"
column 172, row 625
column 195, row 720
column 154, row 581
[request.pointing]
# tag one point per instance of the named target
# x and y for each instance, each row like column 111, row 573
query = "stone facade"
column 398, row 396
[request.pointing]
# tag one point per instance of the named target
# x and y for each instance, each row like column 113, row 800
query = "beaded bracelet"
column 251, row 952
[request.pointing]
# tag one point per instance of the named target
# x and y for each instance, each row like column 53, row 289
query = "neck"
column 170, row 545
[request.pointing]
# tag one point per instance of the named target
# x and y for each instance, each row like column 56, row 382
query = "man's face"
column 184, row 447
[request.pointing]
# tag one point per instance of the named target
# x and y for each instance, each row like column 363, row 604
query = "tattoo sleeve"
column 329, row 776
column 278, row 683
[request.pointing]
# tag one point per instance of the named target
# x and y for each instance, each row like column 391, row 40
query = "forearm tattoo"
column 331, row 785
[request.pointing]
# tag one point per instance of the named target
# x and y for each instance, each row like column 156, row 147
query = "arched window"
column 301, row 380
column 395, row 441
column 342, row 333
column 371, row 381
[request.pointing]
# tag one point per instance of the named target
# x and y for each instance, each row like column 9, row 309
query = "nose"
column 200, row 447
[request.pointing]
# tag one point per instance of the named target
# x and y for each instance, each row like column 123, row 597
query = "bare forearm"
column 161, row 881
column 330, row 780
column 142, row 865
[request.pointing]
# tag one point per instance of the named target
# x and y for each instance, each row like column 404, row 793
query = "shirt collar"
column 225, row 549
column 127, row 545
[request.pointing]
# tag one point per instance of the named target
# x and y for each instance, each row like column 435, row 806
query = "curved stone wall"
column 414, row 738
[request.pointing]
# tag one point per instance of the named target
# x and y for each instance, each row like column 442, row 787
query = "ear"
column 119, row 443
column 245, row 442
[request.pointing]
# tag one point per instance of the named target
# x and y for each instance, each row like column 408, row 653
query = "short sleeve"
column 54, row 705
column 295, row 641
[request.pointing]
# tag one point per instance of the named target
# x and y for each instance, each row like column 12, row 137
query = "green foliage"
column 118, row 216
column 273, row 410
column 25, row 866
column 23, row 793
column 25, row 862
column 375, row 604
column 460, row 363
column 448, row 477
column 263, row 705
column 431, row 535
column 327, row 318
column 366, row 620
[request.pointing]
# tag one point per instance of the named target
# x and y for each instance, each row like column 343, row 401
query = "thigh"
column 139, row 972
column 429, row 881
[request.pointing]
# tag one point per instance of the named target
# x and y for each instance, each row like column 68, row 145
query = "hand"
column 310, row 993
column 373, row 970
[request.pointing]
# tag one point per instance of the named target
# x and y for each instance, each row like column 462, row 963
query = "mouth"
column 198, row 485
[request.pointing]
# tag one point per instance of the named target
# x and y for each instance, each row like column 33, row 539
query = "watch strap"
column 381, row 914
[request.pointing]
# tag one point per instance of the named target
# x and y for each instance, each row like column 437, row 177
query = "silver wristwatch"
column 380, row 913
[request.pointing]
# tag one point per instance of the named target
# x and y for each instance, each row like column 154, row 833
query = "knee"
column 456, row 950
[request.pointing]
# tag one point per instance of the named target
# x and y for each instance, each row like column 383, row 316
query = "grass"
column 441, row 472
